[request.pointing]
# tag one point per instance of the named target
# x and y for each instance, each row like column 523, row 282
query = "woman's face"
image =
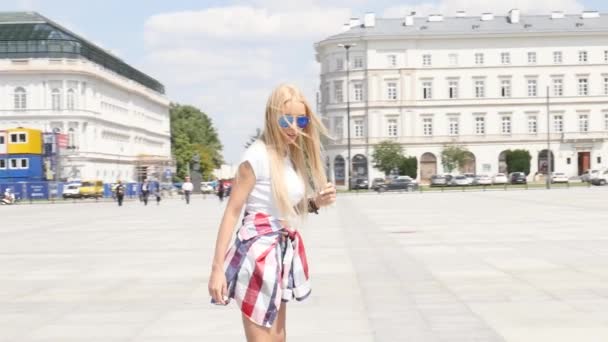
column 291, row 120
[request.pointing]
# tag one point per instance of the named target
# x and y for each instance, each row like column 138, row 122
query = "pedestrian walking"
column 267, row 266
column 145, row 191
column 220, row 190
column 187, row 188
column 119, row 192
column 157, row 193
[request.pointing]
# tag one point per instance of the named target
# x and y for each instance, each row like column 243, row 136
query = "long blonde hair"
column 305, row 154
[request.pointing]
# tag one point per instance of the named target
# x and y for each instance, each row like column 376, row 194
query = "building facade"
column 115, row 118
column 476, row 82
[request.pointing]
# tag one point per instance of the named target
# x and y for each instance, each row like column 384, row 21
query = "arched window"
column 339, row 175
column 71, row 139
column 56, row 99
column 20, row 98
column 71, row 99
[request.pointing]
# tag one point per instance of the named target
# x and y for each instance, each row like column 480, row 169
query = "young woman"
column 280, row 180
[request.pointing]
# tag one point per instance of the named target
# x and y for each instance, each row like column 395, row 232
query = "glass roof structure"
column 30, row 35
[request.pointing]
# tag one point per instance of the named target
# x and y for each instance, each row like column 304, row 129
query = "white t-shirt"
column 260, row 199
column 187, row 186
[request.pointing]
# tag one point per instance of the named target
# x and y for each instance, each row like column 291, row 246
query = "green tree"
column 518, row 161
column 409, row 166
column 453, row 157
column 387, row 156
column 193, row 133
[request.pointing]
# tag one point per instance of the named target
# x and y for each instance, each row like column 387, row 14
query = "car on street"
column 207, row 187
column 360, row 184
column 588, row 175
column 403, row 184
column 601, row 179
column 377, row 182
column 91, row 189
column 71, row 191
column 438, row 180
column 482, row 180
column 499, row 178
column 470, row 177
column 460, row 180
column 559, row 177
column 517, row 178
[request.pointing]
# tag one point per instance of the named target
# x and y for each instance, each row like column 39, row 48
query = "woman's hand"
column 218, row 288
column 326, row 197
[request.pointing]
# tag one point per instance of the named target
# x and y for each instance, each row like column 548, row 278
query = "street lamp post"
column 350, row 168
column 549, row 159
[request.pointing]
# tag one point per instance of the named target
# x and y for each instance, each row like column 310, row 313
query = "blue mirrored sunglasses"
column 286, row 121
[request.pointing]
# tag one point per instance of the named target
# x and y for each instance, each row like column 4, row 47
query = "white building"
column 478, row 82
column 116, row 117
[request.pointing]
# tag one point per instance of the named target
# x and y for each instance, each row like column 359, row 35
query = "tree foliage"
column 387, row 156
column 193, row 134
column 453, row 157
column 408, row 166
column 518, row 161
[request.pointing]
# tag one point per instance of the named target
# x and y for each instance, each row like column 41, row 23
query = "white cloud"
column 476, row 7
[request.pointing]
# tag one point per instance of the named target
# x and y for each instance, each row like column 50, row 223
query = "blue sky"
column 226, row 56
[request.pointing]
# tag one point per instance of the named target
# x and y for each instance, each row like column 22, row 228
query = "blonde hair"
column 305, row 154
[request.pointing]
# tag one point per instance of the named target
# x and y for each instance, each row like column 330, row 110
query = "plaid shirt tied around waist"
column 266, row 264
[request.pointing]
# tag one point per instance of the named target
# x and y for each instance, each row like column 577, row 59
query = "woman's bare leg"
column 257, row 333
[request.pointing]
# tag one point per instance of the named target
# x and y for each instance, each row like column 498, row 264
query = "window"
column 606, row 120
column 71, row 138
column 605, row 85
column 558, row 123
column 358, row 128
column 427, row 126
column 56, row 99
column 532, row 87
column 427, row 90
column 358, row 62
column 2, row 142
column 24, row 163
column 479, row 58
column 358, row 87
column 532, row 124
column 480, row 125
column 582, row 56
column 339, row 64
column 505, row 125
column 391, row 90
column 454, row 126
column 583, row 123
column 606, row 56
column 2, row 164
column 505, row 58
column 557, row 57
column 338, row 94
column 453, row 89
column 453, row 59
column 70, row 99
column 339, row 127
column 13, row 164
column 392, row 127
column 480, row 88
column 392, row 60
column 505, row 88
column 558, row 87
column 426, row 60
column 583, row 87
column 20, row 98
column 18, row 138
column 531, row 57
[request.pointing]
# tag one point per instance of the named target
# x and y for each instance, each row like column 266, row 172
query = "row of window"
column 479, row 88
column 14, row 164
column 15, row 138
column 557, row 57
column 453, row 128
column 20, row 99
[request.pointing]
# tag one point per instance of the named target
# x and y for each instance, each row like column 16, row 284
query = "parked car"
column 438, row 180
column 377, row 182
column 470, row 177
column 499, row 178
column 517, row 178
column 588, row 175
column 91, row 189
column 360, row 183
column 460, row 180
column 402, row 184
column 71, row 191
column 448, row 179
column 559, row 177
column 601, row 179
column 482, row 180
column 207, row 187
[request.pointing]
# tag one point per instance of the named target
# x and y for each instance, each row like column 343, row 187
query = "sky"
column 225, row 57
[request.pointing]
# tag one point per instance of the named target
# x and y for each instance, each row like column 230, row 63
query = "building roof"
column 31, row 35
column 474, row 25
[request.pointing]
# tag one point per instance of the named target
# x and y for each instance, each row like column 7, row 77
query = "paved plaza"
column 461, row 266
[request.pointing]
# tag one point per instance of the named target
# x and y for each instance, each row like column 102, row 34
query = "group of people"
column 9, row 197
